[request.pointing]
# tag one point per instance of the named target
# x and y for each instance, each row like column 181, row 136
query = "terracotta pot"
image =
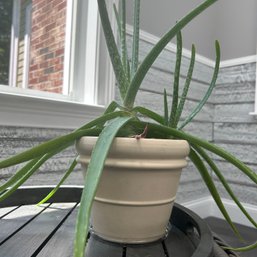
column 137, row 188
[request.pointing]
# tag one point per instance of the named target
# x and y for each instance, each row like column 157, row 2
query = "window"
column 52, row 52
column 5, row 39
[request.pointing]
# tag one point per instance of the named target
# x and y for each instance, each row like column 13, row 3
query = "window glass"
column 6, row 7
column 33, row 39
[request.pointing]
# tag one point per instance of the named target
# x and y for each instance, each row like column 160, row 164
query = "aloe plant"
column 125, row 120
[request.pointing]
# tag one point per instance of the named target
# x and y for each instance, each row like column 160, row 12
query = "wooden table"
column 27, row 230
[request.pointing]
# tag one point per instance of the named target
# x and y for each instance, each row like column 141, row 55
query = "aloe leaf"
column 242, row 249
column 156, row 50
column 174, row 106
column 93, row 174
column 18, row 175
column 135, row 46
column 212, row 188
column 112, row 49
column 66, row 175
column 108, row 115
column 44, row 148
column 111, row 107
column 123, row 35
column 222, row 179
column 148, row 113
column 209, row 91
column 166, row 108
column 117, row 17
column 39, row 162
column 118, row 21
column 186, row 87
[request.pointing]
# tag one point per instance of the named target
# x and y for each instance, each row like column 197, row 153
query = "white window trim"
column 14, row 43
column 25, row 76
column 27, row 108
column 69, row 35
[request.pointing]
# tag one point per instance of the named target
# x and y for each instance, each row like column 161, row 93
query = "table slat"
column 27, row 240
column 63, row 240
column 6, row 210
column 17, row 218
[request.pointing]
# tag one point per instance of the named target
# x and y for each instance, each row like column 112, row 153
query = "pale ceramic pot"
column 137, row 189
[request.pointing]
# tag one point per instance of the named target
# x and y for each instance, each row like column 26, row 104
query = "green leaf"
column 117, row 17
column 48, row 146
column 112, row 49
column 222, row 179
column 118, row 21
column 30, row 172
column 123, row 36
column 148, row 113
column 111, row 107
column 166, row 109
column 108, row 115
column 163, row 131
column 212, row 188
column 209, row 91
column 66, row 175
column 93, row 175
column 18, row 175
column 174, row 106
column 156, row 50
column 242, row 249
column 186, row 87
column 135, row 45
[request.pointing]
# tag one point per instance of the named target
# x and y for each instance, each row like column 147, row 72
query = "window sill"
column 253, row 113
column 31, row 111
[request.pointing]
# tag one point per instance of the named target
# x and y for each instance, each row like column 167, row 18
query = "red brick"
column 33, row 81
column 59, row 52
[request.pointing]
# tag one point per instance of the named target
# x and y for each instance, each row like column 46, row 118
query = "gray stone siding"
column 16, row 139
column 224, row 120
column 234, row 129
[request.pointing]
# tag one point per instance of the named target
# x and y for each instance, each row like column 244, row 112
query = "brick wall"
column 47, row 45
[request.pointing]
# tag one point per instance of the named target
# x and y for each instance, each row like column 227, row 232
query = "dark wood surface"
column 27, row 230
column 48, row 231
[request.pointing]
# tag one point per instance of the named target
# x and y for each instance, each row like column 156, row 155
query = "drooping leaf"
column 46, row 147
column 164, row 132
column 222, row 179
column 17, row 176
column 66, row 175
column 30, row 172
column 242, row 249
column 212, row 188
column 93, row 174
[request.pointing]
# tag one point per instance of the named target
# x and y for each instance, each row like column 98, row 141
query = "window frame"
column 30, row 108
